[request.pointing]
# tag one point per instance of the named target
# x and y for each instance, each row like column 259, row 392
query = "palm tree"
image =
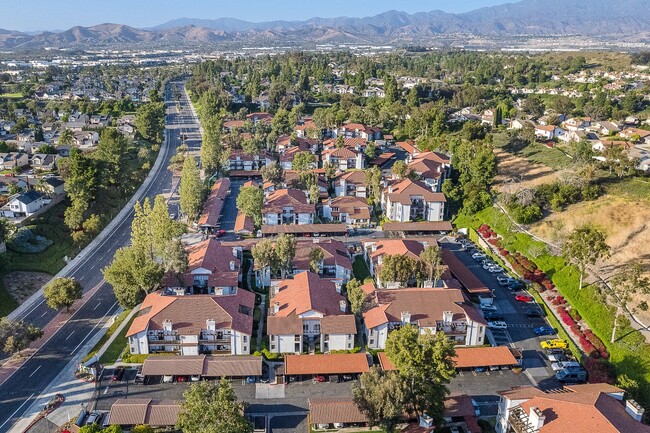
column 66, row 137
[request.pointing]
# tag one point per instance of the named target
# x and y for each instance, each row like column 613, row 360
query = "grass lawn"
column 11, row 96
column 630, row 354
column 117, row 346
column 360, row 269
column 548, row 156
column 636, row 188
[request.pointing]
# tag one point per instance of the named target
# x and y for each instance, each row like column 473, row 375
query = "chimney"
column 406, row 317
column 536, row 418
column 634, row 409
column 232, row 265
column 447, row 316
column 211, row 325
column 343, row 305
column 426, row 421
column 234, row 252
column 338, row 287
column 167, row 325
column 276, row 307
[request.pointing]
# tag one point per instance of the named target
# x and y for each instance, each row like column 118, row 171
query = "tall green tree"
column 150, row 121
column 133, row 275
column 66, row 137
column 624, row 286
column 356, row 296
column 316, row 256
column 16, row 336
column 584, row 246
column 111, row 154
column 380, row 395
column 62, row 292
column 264, row 254
column 285, row 248
column 425, row 364
column 273, row 173
column 400, row 170
column 191, row 189
column 211, row 145
column 431, row 258
column 210, row 407
column 165, row 236
column 250, row 201
column 302, row 161
column 398, row 269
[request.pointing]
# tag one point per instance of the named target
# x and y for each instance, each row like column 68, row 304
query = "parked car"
column 561, row 365
column 493, row 316
column 479, row 369
column 533, row 312
column 195, row 378
column 487, row 307
column 168, row 378
column 487, row 265
column 515, row 285
column 181, row 379
column 576, row 376
column 94, row 418
column 319, row 378
column 478, row 256
column 497, row 325
column 220, row 233
column 117, row 374
column 504, row 280
column 523, row 298
column 139, row 377
column 496, row 269
column 557, row 357
column 554, row 344
column 554, row 351
column 250, row 379
column 545, row 330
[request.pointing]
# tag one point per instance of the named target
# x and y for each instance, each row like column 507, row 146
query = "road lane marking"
column 69, row 335
column 19, row 407
column 91, row 331
column 34, row 372
column 98, row 304
column 44, row 313
column 106, row 390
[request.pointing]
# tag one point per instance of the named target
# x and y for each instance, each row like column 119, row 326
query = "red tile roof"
column 467, row 278
column 214, row 204
column 288, row 197
column 402, row 191
column 468, row 357
column 344, row 363
column 134, row 411
column 335, row 253
column 330, row 410
column 307, row 292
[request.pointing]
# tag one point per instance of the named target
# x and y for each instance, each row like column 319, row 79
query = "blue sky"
column 31, row 15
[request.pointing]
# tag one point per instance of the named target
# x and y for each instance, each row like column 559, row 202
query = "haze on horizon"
column 40, row 15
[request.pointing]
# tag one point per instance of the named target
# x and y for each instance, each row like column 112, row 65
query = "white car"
column 487, row 265
column 496, row 269
column 497, row 325
column 561, row 365
column 487, row 307
column 168, row 378
column 195, row 378
column 478, row 256
column 503, row 280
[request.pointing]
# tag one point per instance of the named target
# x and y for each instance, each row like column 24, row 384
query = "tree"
column 373, row 178
column 425, row 364
column 356, row 296
column 534, row 106
column 6, row 228
column 62, row 292
column 250, row 201
column 380, row 396
column 111, row 154
column 400, row 169
column 371, row 151
column 142, row 428
column 165, row 236
column 66, row 137
column 398, row 269
column 624, row 286
column 285, row 248
column 16, row 336
column 302, row 161
column 314, row 194
column 211, row 145
column 431, row 258
column 150, row 121
column 316, row 256
column 133, row 275
column 264, row 254
column 584, row 246
column 273, row 173
column 210, row 407
column 191, row 189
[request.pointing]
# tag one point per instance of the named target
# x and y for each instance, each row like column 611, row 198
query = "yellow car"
column 554, row 344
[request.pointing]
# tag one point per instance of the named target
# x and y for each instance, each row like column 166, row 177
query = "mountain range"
column 603, row 19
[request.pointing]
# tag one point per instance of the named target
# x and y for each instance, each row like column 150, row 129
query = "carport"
column 203, row 365
column 334, row 365
column 462, row 273
column 470, row 357
column 173, row 365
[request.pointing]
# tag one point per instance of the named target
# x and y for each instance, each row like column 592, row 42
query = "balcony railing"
column 519, row 421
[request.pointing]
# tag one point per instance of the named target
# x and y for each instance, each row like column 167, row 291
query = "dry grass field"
column 516, row 172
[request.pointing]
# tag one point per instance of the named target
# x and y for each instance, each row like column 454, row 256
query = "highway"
column 34, row 376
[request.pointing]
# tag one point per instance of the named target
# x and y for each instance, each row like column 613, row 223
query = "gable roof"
column 189, row 314
column 288, row 197
column 307, row 292
column 402, row 191
column 340, row 363
column 335, row 253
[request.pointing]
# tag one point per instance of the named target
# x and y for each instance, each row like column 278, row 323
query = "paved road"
column 35, row 375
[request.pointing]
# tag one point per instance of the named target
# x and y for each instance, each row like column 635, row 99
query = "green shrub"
column 27, row 242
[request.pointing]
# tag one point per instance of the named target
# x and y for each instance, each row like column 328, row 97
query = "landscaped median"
column 629, row 354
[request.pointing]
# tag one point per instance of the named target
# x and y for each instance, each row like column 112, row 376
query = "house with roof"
column 11, row 160
column 288, row 206
column 352, row 211
column 357, row 130
column 193, row 325
column 576, row 123
column 212, row 209
column 259, row 117
column 43, row 161
column 291, row 179
column 432, row 168
column 309, row 312
column 408, row 200
column 548, row 132
column 344, row 158
column 640, row 135
column 23, row 204
column 429, row 309
column 287, row 156
column 375, row 250
column 242, row 161
column 596, row 407
column 350, row 183
column 336, row 264
column 213, row 269
column 86, row 138
column 51, row 185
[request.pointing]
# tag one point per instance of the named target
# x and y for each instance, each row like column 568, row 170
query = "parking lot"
column 520, row 327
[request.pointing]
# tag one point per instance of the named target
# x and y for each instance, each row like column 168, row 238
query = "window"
column 317, row 327
column 245, row 348
column 272, row 346
column 372, row 341
column 297, row 339
column 245, row 339
column 349, row 345
column 305, row 328
column 297, row 348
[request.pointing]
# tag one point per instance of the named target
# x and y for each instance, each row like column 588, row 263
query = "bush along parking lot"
column 552, row 275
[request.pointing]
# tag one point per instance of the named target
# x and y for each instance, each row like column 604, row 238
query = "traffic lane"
column 28, row 382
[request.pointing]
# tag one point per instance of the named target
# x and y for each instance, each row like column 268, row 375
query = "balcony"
column 519, row 421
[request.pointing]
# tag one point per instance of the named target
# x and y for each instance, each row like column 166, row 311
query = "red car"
column 181, row 379
column 320, row 378
column 523, row 298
